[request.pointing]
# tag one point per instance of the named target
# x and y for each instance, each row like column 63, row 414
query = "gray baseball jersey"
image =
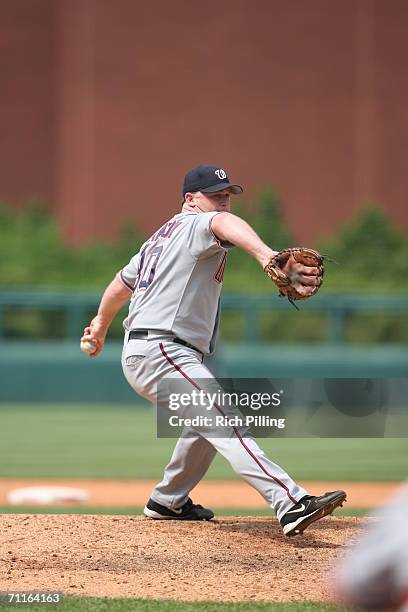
column 176, row 279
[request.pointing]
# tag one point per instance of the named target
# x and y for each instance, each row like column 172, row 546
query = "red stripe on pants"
column 279, row 482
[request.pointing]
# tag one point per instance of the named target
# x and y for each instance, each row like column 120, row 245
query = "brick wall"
column 108, row 103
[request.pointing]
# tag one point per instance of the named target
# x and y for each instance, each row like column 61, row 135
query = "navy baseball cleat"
column 310, row 509
column 187, row 512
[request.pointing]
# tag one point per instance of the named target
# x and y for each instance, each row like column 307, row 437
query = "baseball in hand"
column 88, row 346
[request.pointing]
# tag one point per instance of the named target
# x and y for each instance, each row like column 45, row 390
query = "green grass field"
column 97, row 604
column 90, row 441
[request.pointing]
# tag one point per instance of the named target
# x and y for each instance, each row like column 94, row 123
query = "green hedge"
column 371, row 251
column 33, row 254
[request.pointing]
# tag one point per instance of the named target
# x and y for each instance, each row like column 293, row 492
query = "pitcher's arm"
column 114, row 297
column 230, row 228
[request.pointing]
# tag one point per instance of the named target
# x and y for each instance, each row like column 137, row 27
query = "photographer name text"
column 225, row 421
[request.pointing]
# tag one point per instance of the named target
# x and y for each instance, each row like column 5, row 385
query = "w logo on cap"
column 208, row 179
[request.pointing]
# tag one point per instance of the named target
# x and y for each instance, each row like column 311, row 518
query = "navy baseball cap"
column 208, row 179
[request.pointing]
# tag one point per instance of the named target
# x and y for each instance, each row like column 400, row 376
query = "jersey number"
column 148, row 265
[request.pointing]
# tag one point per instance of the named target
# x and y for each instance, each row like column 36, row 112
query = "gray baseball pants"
column 145, row 363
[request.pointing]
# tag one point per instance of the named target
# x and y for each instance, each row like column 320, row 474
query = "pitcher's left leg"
column 238, row 447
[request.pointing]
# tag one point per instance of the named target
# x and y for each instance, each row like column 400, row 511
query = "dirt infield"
column 222, row 494
column 229, row 559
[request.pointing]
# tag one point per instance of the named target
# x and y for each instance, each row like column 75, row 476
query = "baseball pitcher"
column 174, row 285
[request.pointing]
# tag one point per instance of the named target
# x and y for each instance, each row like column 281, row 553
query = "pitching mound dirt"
column 229, row 559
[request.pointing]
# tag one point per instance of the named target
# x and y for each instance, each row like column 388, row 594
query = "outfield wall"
column 59, row 372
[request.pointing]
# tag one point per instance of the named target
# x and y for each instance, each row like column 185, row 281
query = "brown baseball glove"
column 298, row 272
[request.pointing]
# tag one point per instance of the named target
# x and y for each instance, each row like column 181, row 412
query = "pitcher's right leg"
column 192, row 456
